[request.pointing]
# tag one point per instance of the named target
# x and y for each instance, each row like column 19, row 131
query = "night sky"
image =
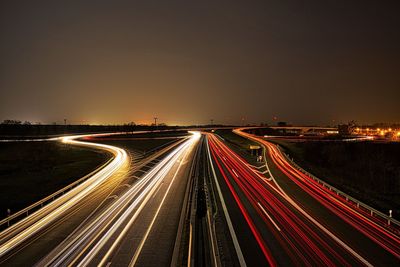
column 186, row 62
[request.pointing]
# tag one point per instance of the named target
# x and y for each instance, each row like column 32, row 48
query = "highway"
column 277, row 221
column 198, row 202
column 112, row 218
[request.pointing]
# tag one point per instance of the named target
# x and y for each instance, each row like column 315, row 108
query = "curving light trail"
column 26, row 228
column 359, row 218
column 96, row 241
column 294, row 230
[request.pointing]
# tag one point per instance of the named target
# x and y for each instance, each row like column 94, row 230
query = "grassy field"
column 235, row 139
column 142, row 143
column 366, row 170
column 165, row 134
column 30, row 171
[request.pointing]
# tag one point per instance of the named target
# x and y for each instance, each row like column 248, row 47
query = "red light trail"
column 302, row 242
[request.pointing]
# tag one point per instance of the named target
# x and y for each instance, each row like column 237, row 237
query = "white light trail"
column 121, row 213
column 21, row 231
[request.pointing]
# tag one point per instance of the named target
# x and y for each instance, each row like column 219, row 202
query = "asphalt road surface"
column 279, row 220
column 118, row 217
column 129, row 213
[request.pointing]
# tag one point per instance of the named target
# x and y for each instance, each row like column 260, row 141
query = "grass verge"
column 367, row 171
column 30, row 171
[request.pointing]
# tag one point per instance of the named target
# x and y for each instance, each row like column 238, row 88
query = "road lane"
column 41, row 243
column 302, row 241
column 225, row 230
column 352, row 226
column 152, row 238
column 98, row 241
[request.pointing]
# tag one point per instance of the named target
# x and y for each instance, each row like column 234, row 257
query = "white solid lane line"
column 269, row 217
column 239, row 253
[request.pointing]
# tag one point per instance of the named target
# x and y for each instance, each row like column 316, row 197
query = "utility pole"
column 212, row 122
column 155, row 121
column 65, row 122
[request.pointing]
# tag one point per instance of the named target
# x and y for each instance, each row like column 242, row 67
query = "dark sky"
column 190, row 61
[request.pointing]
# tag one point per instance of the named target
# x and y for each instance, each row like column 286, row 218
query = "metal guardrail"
column 26, row 211
column 389, row 220
column 200, row 183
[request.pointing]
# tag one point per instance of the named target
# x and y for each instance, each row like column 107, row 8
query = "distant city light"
column 332, row 132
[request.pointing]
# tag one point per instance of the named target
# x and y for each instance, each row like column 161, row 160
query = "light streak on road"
column 26, row 228
column 213, row 147
column 142, row 242
column 232, row 232
column 360, row 219
column 301, row 241
column 107, row 230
